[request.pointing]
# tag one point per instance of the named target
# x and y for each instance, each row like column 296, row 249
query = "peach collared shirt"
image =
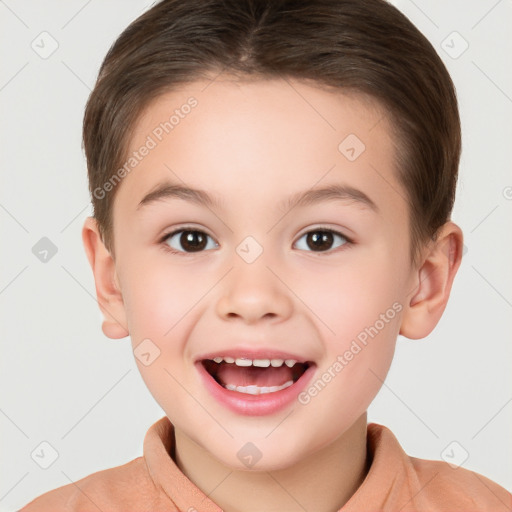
column 395, row 482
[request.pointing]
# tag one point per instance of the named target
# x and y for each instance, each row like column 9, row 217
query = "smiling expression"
column 250, row 232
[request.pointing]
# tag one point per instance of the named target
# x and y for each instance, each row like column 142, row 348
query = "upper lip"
column 247, row 353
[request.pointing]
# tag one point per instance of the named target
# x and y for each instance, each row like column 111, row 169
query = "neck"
column 324, row 481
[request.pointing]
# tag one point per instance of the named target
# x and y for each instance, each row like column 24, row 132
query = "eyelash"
column 166, row 247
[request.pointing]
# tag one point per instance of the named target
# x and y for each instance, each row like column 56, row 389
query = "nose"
column 253, row 292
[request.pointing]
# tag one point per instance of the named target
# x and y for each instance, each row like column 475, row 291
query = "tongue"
column 253, row 375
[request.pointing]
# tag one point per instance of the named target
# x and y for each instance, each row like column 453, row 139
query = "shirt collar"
column 382, row 489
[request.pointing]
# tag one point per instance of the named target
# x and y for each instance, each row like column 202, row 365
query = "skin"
column 252, row 145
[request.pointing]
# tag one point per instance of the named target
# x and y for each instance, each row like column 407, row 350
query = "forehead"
column 232, row 137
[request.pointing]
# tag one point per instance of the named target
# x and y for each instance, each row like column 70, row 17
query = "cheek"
column 162, row 302
column 352, row 373
column 159, row 297
column 349, row 298
column 157, row 305
column 360, row 312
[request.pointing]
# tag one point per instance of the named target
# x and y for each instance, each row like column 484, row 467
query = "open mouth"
column 255, row 376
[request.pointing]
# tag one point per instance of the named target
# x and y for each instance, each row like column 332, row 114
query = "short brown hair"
column 366, row 46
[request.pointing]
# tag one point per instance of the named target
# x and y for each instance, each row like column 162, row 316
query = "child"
column 272, row 184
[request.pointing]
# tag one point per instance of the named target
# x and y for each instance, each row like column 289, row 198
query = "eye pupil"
column 193, row 240
column 319, row 239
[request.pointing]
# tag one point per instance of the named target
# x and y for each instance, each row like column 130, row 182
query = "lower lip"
column 255, row 405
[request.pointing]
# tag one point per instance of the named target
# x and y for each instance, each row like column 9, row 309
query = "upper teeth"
column 264, row 363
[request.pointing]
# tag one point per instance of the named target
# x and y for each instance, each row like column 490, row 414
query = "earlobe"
column 107, row 284
column 433, row 283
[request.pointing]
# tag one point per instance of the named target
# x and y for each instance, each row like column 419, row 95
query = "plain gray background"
column 66, row 384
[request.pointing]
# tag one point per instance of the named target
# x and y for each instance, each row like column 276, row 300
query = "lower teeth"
column 256, row 390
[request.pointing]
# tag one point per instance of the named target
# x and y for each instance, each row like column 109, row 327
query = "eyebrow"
column 312, row 196
column 328, row 193
column 168, row 190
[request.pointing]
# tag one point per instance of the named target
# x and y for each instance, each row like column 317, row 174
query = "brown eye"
column 187, row 240
column 321, row 240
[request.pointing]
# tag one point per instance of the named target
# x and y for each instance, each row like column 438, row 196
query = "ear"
column 433, row 282
column 108, row 289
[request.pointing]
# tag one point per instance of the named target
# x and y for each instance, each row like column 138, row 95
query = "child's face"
column 251, row 147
